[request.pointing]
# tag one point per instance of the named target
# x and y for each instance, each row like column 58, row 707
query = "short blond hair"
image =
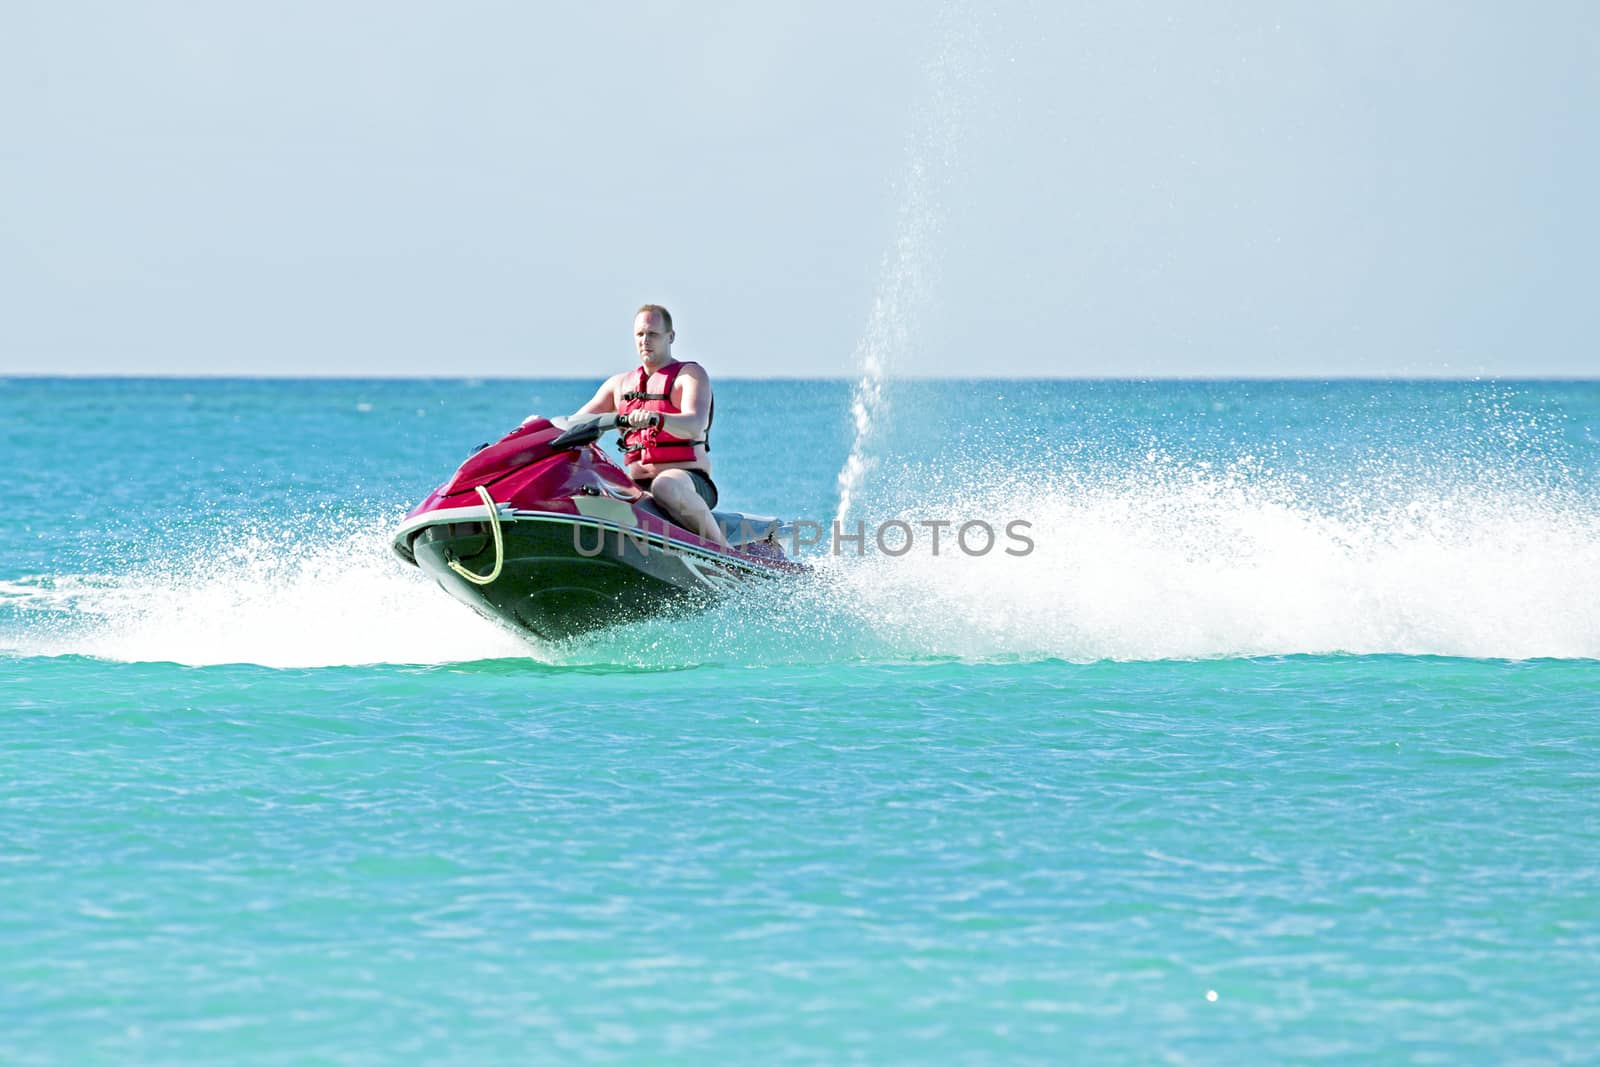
column 656, row 309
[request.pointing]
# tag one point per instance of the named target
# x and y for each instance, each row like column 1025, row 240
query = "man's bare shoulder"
column 696, row 371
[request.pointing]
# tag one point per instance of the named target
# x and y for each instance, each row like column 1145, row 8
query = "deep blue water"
column 1281, row 744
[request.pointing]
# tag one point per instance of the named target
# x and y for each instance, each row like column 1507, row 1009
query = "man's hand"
column 638, row 420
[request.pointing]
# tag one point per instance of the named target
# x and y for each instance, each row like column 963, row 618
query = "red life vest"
column 653, row 444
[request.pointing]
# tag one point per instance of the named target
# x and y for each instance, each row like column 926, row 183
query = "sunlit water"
column 1278, row 744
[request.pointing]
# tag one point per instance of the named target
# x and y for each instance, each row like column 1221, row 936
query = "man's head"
column 653, row 334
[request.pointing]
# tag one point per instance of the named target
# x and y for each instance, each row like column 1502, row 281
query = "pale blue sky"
column 489, row 188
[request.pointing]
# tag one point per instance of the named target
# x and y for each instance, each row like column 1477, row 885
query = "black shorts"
column 702, row 485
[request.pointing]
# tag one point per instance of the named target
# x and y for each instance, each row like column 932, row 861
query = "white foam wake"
column 1185, row 563
column 304, row 595
column 1169, row 562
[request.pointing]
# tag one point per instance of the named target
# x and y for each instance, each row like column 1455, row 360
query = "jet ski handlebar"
column 581, row 430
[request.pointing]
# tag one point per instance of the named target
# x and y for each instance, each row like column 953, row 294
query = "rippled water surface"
column 1281, row 746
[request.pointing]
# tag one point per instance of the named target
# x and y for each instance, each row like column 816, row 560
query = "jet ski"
column 544, row 533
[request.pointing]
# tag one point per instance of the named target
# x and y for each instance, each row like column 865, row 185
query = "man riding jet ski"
column 664, row 408
column 543, row 532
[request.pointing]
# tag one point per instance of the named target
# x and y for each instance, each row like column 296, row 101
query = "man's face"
column 651, row 337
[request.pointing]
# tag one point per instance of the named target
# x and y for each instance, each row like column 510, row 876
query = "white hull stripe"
column 479, row 513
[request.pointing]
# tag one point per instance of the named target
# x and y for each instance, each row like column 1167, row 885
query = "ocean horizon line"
column 40, row 376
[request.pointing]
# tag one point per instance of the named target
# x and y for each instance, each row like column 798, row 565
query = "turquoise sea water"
column 1282, row 745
